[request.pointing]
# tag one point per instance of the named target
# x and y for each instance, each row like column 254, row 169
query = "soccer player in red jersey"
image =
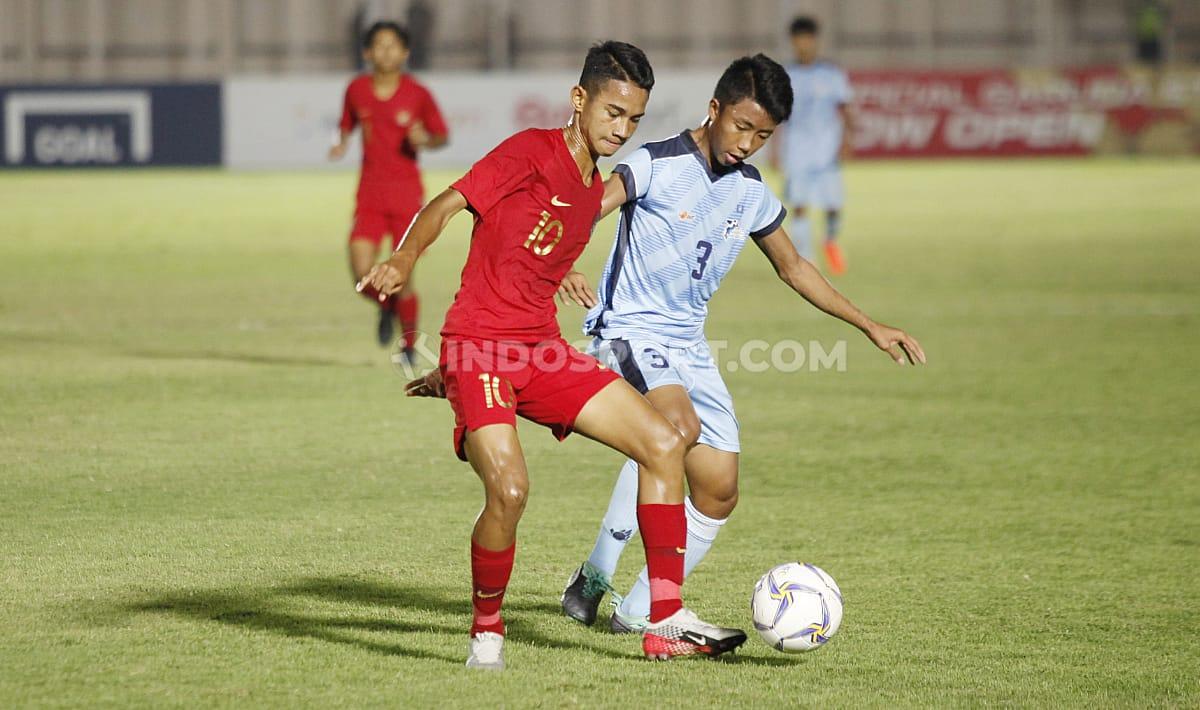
column 535, row 199
column 398, row 117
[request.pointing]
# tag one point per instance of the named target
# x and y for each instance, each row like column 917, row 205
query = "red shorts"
column 489, row 382
column 372, row 223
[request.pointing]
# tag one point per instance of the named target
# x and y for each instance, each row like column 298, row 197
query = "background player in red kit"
column 535, row 199
column 398, row 117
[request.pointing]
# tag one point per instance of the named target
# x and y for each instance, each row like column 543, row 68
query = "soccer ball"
column 797, row 607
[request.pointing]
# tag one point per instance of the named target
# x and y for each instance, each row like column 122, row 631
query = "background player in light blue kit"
column 815, row 140
column 688, row 205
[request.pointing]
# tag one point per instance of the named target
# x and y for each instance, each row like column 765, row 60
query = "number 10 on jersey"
column 537, row 238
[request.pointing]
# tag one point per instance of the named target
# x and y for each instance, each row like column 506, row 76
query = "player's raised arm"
column 806, row 280
column 390, row 276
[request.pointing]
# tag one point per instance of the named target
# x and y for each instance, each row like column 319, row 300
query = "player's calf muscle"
column 712, row 477
column 715, row 503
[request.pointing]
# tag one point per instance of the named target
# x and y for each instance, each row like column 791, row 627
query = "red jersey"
column 389, row 165
column 533, row 217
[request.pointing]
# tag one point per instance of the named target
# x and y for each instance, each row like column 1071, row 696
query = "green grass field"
column 213, row 493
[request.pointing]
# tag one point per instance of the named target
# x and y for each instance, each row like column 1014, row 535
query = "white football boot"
column 487, row 651
column 684, row 634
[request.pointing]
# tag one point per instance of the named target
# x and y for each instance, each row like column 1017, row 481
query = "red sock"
column 664, row 534
column 406, row 311
column 490, row 571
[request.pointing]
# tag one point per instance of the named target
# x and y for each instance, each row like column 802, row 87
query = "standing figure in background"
column 398, row 117
column 815, row 141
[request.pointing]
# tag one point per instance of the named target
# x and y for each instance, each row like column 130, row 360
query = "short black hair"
column 620, row 61
column 805, row 25
column 384, row 26
column 758, row 78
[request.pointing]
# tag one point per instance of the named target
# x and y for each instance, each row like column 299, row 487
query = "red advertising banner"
column 1027, row 112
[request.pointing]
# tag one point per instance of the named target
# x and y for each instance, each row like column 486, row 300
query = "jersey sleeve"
column 431, row 117
column 497, row 175
column 635, row 173
column 770, row 215
column 349, row 120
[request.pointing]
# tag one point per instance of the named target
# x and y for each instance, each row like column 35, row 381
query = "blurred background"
column 257, row 83
column 123, row 40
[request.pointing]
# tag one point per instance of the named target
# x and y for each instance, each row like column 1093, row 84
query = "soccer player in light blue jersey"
column 689, row 204
column 815, row 140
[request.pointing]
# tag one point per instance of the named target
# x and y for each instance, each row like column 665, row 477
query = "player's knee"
column 663, row 447
column 513, row 497
column 508, row 497
column 688, row 426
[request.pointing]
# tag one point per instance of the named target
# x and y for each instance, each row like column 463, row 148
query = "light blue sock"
column 701, row 532
column 800, row 230
column 620, row 521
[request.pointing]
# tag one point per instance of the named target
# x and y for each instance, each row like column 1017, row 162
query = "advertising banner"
column 75, row 126
column 1026, row 112
column 290, row 123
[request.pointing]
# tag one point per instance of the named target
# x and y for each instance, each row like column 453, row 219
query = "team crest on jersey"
column 733, row 229
column 403, row 118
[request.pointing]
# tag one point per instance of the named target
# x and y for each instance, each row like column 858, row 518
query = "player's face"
column 387, row 53
column 804, row 47
column 609, row 116
column 737, row 131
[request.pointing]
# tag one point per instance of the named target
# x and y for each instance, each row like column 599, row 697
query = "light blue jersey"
column 813, row 134
column 682, row 227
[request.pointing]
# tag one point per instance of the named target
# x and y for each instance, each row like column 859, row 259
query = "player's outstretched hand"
column 337, row 151
column 896, row 343
column 575, row 287
column 385, row 279
column 430, row 385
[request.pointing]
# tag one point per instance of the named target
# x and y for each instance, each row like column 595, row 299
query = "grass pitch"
column 213, row 493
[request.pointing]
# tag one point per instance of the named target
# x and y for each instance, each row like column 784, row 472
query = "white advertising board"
column 283, row 123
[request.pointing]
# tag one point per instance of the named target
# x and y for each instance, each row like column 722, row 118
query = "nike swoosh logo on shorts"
column 559, row 203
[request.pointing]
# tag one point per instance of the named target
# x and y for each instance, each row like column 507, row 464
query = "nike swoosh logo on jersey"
column 559, row 203
column 681, row 550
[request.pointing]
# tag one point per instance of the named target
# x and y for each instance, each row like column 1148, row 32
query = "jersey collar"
column 713, row 175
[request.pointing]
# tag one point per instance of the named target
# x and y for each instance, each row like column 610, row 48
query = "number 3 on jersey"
column 702, row 259
column 537, row 238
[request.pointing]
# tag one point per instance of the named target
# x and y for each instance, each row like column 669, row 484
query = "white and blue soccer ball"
column 797, row 607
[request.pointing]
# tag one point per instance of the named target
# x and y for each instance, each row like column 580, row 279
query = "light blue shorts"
column 647, row 364
column 816, row 187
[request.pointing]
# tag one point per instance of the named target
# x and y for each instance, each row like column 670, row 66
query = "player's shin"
column 664, row 535
column 701, row 533
column 619, row 524
column 833, row 224
column 406, row 308
column 490, row 572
